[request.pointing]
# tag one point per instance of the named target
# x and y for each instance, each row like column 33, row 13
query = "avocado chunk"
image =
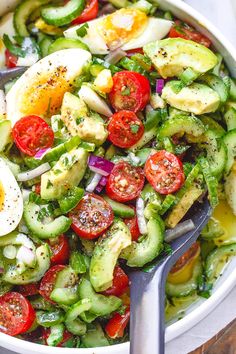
column 196, row 98
column 140, row 253
column 75, row 115
column 171, row 56
column 106, row 253
column 66, row 174
column 185, row 203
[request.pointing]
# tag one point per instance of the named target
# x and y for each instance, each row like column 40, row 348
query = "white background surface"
column 223, row 14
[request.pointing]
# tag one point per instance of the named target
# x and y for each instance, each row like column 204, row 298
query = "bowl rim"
column 195, row 316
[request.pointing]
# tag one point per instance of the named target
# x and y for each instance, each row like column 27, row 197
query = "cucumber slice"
column 140, row 253
column 5, row 134
column 22, row 13
column 66, row 278
column 48, row 319
column 44, row 45
column 65, row 296
column 66, row 43
column 63, row 15
column 230, row 118
column 185, row 289
column 95, row 337
column 230, row 142
column 147, row 136
column 50, row 230
column 119, row 209
column 186, row 124
column 217, row 84
column 216, row 260
column 101, row 305
column 30, row 275
column 216, row 153
column 72, row 322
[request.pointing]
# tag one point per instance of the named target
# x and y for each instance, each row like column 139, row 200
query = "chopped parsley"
column 82, row 31
column 134, row 128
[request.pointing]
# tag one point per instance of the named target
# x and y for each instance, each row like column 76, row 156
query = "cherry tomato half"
column 49, row 280
column 10, row 59
column 182, row 30
column 186, row 258
column 117, row 324
column 31, row 134
column 37, row 188
column 60, row 250
column 91, row 217
column 120, row 283
column 66, row 336
column 28, row 289
column 132, row 224
column 131, row 91
column 90, row 12
column 125, row 182
column 16, row 314
column 164, row 171
column 125, row 129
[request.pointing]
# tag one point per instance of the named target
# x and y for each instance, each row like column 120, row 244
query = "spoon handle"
column 147, row 325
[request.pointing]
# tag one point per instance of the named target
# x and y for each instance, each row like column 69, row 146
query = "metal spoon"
column 9, row 74
column 147, row 325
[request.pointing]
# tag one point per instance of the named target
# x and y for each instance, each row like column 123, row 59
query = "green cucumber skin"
column 44, row 231
column 188, row 124
column 101, row 305
column 140, row 253
column 119, row 209
column 22, row 13
column 60, row 16
column 215, row 257
column 187, row 288
column 66, row 43
column 230, row 142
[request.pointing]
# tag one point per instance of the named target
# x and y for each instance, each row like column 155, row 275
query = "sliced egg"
column 41, row 88
column 125, row 28
column 11, row 200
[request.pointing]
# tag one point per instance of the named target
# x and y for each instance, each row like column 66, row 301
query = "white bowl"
column 203, row 307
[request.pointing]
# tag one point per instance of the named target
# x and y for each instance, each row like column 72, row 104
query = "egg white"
column 155, row 29
column 73, row 60
column 12, row 210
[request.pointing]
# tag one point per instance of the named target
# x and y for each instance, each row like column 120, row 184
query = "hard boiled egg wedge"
column 11, row 200
column 41, row 88
column 125, row 28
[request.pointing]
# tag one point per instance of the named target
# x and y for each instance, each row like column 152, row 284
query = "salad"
column 123, row 120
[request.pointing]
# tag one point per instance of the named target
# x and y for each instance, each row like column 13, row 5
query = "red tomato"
column 60, row 250
column 182, row 30
column 131, row 91
column 37, row 188
column 16, row 314
column 125, row 182
column 125, row 129
column 131, row 52
column 28, row 289
column 11, row 60
column 117, row 324
column 31, row 134
column 120, row 283
column 90, row 12
column 164, row 171
column 132, row 224
column 187, row 256
column 66, row 336
column 49, row 280
column 91, row 217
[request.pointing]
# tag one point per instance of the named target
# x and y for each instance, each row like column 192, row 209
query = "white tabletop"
column 223, row 15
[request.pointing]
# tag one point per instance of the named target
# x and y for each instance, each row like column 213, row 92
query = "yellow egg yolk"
column 121, row 26
column 223, row 213
column 2, row 196
column 44, row 95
